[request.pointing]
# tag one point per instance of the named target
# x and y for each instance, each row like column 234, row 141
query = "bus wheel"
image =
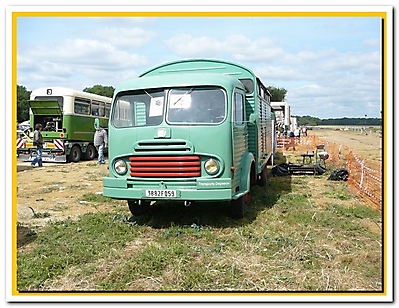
column 138, row 207
column 239, row 206
column 75, row 154
column 262, row 177
column 91, row 152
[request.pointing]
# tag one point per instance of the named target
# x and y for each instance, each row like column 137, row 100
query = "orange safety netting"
column 365, row 176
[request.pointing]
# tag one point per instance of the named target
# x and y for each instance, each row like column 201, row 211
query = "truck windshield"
column 194, row 105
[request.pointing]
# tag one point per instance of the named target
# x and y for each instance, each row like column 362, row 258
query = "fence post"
column 362, row 173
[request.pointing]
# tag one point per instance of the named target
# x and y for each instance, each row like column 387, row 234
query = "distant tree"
column 107, row 91
column 23, row 96
column 308, row 120
column 278, row 94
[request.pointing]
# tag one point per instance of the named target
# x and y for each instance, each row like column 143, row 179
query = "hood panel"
column 45, row 107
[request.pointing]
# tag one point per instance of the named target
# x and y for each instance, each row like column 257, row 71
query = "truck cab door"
column 240, row 135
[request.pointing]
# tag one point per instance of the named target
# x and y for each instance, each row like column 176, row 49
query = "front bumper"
column 185, row 189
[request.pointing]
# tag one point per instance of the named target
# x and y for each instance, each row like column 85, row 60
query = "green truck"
column 196, row 130
column 67, row 117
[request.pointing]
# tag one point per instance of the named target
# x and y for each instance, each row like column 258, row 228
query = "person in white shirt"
column 100, row 142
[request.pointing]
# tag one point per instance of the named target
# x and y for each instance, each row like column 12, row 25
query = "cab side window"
column 238, row 112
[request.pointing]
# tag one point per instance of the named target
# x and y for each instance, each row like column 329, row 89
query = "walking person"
column 291, row 135
column 38, row 143
column 100, row 142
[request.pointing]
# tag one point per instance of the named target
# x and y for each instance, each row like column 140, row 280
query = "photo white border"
column 388, row 137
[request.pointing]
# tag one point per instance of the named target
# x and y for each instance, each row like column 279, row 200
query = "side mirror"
column 254, row 118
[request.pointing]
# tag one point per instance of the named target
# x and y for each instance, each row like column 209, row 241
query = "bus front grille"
column 165, row 166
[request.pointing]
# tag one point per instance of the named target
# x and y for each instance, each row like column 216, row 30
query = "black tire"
column 262, row 177
column 239, row 207
column 91, row 152
column 75, row 155
column 138, row 209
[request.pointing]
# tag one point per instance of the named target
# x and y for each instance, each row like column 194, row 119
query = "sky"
column 331, row 67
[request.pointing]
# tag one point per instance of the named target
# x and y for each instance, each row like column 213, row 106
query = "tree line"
column 312, row 121
column 278, row 95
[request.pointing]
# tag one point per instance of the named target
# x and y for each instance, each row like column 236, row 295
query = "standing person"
column 304, row 131
column 38, row 143
column 292, row 141
column 100, row 142
column 297, row 132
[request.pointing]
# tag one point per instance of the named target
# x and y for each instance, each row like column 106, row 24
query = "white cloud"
column 125, row 38
column 90, row 58
column 186, row 45
column 314, row 68
column 373, row 42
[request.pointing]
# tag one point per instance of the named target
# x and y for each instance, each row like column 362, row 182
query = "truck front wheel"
column 138, row 207
column 239, row 207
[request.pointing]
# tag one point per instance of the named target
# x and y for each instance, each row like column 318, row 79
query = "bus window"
column 95, row 106
column 107, row 110
column 101, row 109
column 82, row 106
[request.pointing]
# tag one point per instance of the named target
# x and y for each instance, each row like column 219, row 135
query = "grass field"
column 302, row 234
column 294, row 239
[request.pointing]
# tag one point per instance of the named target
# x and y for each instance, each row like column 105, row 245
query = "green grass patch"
column 288, row 241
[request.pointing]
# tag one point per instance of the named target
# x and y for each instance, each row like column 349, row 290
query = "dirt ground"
column 368, row 146
column 57, row 191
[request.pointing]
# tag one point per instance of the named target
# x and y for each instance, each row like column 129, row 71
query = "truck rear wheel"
column 91, row 152
column 75, row 154
column 239, row 207
column 138, row 207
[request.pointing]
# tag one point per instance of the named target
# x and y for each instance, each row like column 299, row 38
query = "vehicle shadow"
column 25, row 236
column 216, row 214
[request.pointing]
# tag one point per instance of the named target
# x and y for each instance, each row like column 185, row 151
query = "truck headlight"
column 211, row 166
column 120, row 167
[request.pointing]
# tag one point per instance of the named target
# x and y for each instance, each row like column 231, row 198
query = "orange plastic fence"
column 365, row 176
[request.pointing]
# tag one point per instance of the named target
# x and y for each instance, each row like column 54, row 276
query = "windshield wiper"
column 188, row 92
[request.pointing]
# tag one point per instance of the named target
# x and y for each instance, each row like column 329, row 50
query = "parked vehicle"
column 195, row 130
column 67, row 117
column 23, row 126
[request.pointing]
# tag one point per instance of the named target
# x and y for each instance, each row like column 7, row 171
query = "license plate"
column 160, row 193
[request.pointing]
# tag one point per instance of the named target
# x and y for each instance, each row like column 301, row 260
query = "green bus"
column 195, row 130
column 67, row 117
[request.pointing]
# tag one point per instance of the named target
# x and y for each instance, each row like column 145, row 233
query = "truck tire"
column 91, row 152
column 75, row 154
column 262, row 177
column 239, row 207
column 138, row 209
